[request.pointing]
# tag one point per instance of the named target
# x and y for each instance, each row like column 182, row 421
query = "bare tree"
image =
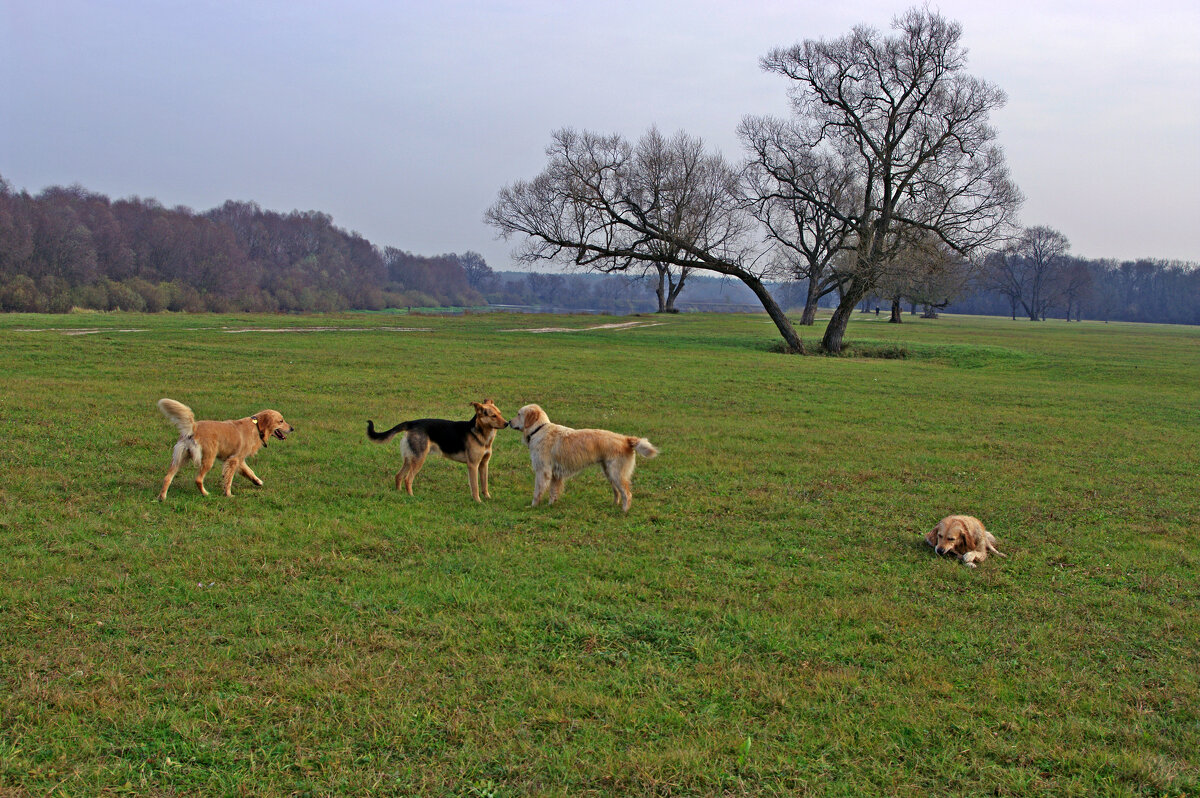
column 1073, row 286
column 668, row 283
column 479, row 275
column 1028, row 270
column 604, row 204
column 901, row 114
column 783, row 176
column 926, row 273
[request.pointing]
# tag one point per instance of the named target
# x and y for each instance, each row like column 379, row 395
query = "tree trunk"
column 776, row 313
column 836, row 330
column 658, row 290
column 810, row 303
column 673, row 289
column 897, row 314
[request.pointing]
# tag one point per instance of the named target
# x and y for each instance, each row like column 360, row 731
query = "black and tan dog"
column 467, row 442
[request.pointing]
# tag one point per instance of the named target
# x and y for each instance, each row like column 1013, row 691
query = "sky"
column 404, row 119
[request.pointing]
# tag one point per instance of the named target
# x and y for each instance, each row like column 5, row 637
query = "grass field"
column 764, row 621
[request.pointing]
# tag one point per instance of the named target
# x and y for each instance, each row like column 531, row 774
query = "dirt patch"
column 628, row 325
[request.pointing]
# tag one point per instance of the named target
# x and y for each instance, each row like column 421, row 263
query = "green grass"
column 764, row 621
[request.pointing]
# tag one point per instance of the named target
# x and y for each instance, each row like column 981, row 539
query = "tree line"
column 69, row 247
column 1035, row 277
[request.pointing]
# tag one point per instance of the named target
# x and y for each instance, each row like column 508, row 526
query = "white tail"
column 180, row 415
column 645, row 448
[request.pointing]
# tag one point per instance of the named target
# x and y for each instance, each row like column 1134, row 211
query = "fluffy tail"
column 386, row 435
column 643, row 447
column 180, row 415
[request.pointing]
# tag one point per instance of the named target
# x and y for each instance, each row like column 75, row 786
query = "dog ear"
column 932, row 535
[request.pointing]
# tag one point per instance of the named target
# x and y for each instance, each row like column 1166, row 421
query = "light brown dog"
column 467, row 442
column 964, row 537
column 559, row 453
column 207, row 441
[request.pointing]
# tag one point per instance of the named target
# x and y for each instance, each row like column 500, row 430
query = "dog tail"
column 386, row 435
column 643, row 447
column 180, row 415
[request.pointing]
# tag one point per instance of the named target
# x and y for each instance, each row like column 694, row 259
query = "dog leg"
column 483, row 473
column 245, row 471
column 231, row 467
column 613, row 475
column 619, row 476
column 178, row 455
column 473, row 479
column 627, row 494
column 414, row 447
column 408, row 473
column 414, row 466
column 541, row 481
column 556, row 487
column 206, row 464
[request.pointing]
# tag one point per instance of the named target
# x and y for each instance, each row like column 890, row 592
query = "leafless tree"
column 783, row 176
column 903, row 116
column 1028, row 271
column 925, row 272
column 668, row 283
column 1073, row 286
column 608, row 205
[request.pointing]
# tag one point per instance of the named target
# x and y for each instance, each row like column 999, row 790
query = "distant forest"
column 70, row 248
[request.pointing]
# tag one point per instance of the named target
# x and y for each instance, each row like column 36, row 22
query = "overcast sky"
column 403, row 119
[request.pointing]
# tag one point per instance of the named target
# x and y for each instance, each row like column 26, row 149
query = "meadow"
column 766, row 620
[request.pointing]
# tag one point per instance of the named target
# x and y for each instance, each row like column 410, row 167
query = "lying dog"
column 467, row 442
column 963, row 536
column 207, row 441
column 559, row 453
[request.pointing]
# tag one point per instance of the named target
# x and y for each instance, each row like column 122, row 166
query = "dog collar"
column 534, row 431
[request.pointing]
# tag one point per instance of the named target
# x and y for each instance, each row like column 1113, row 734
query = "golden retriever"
column 231, row 441
column 559, row 453
column 964, row 537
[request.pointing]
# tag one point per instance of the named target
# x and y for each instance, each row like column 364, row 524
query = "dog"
column 559, row 453
column 467, row 442
column 963, row 536
column 232, row 441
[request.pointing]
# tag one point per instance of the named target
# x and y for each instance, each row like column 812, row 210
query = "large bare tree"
column 608, row 205
column 902, row 116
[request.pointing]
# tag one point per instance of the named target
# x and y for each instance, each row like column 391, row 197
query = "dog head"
column 487, row 415
column 955, row 534
column 270, row 423
column 527, row 417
